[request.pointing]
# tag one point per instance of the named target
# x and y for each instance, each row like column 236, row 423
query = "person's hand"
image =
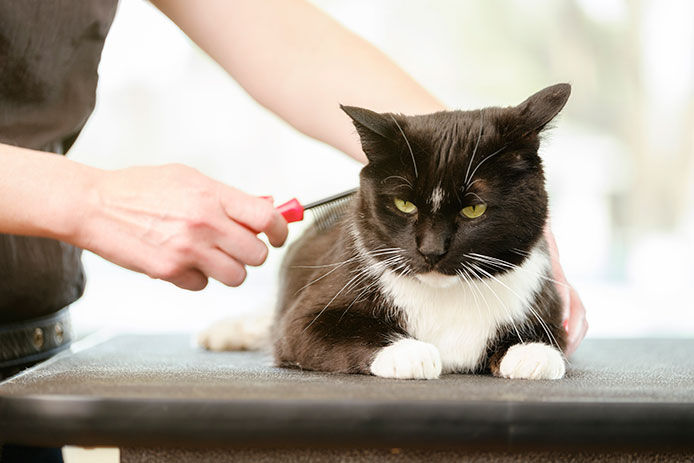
column 575, row 321
column 175, row 224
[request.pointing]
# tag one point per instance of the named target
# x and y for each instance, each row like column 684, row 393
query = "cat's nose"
column 432, row 249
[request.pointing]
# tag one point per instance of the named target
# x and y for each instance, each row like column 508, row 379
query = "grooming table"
column 160, row 399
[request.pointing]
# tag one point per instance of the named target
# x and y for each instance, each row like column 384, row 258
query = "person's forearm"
column 300, row 63
column 169, row 222
column 41, row 194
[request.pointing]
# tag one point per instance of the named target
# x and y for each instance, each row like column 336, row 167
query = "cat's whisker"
column 462, row 273
column 477, row 144
column 382, row 252
column 496, row 264
column 543, row 323
column 485, row 159
column 362, row 273
column 520, row 252
column 376, row 252
column 385, row 264
column 407, row 270
column 474, row 296
column 336, row 264
column 500, row 263
column 329, row 302
column 379, row 267
column 532, row 310
column 385, row 249
column 316, row 280
column 467, row 186
column 474, row 284
column 382, row 265
column 538, row 317
column 324, row 275
column 392, row 260
column 414, row 164
column 476, row 269
column 475, row 195
column 363, row 291
column 484, row 256
column 479, row 291
column 369, row 259
column 402, row 266
column 407, row 182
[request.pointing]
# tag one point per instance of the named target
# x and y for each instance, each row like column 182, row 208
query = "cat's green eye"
column 472, row 212
column 405, row 206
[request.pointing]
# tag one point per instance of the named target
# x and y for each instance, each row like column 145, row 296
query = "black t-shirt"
column 49, row 54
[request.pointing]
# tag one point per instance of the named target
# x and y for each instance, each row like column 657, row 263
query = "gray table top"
column 159, row 389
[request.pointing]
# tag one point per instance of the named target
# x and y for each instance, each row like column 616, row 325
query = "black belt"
column 33, row 340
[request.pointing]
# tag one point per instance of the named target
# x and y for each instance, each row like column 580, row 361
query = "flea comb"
column 325, row 211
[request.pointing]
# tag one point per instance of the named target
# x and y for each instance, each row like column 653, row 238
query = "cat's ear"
column 538, row 110
column 376, row 131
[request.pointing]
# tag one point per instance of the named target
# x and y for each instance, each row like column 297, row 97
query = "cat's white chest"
column 461, row 318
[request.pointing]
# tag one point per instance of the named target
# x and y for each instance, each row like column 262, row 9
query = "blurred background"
column 620, row 162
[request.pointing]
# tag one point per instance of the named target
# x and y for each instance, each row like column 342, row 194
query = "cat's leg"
column 533, row 360
column 250, row 332
column 538, row 356
column 538, row 353
column 354, row 342
column 407, row 358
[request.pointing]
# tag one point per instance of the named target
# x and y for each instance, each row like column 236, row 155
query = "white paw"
column 407, row 359
column 243, row 333
column 532, row 361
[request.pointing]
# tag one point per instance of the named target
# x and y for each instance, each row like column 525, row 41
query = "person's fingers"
column 241, row 244
column 561, row 283
column 574, row 314
column 277, row 230
column 577, row 323
column 255, row 213
column 216, row 264
column 193, row 280
column 579, row 338
column 564, row 290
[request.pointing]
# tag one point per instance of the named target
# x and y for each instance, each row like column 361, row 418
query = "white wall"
column 162, row 100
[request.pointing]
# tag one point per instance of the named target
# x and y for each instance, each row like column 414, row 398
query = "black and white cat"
column 440, row 265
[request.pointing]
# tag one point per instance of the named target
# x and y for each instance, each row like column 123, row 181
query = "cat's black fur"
column 332, row 315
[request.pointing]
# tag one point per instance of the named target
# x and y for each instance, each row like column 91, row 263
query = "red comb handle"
column 292, row 211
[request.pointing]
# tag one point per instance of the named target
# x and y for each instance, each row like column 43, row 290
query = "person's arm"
column 300, row 63
column 169, row 222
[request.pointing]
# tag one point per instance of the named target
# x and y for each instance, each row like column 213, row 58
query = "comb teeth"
column 328, row 214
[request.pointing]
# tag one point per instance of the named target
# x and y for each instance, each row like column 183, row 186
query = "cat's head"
column 451, row 187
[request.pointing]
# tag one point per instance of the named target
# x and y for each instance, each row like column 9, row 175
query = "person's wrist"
column 79, row 206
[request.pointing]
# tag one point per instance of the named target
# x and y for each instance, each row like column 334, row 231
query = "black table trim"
column 88, row 421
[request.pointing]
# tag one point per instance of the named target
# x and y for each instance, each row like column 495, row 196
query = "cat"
column 439, row 265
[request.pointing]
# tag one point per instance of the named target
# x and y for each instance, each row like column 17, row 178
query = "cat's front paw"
column 532, row 361
column 407, row 359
